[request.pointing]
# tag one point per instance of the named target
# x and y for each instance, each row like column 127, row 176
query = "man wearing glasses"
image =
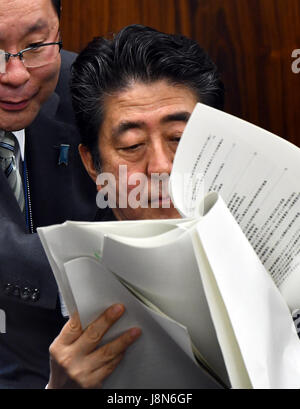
column 41, row 182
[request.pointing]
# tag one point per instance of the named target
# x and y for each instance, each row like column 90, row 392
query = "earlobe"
column 87, row 161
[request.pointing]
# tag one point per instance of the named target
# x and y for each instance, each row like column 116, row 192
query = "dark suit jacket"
column 28, row 292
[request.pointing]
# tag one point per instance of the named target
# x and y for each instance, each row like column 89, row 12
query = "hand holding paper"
column 75, row 360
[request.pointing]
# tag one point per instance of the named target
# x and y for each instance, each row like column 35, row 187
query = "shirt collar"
column 20, row 135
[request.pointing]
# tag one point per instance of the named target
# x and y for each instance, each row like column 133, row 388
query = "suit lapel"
column 50, row 183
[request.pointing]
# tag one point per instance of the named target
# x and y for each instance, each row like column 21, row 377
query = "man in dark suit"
column 52, row 185
column 132, row 97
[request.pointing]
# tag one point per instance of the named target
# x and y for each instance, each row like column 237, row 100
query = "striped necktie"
column 9, row 163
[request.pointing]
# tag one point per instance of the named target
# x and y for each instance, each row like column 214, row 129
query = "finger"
column 111, row 350
column 97, row 377
column 92, row 336
column 71, row 331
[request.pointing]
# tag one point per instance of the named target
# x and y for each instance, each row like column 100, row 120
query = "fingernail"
column 135, row 332
column 117, row 309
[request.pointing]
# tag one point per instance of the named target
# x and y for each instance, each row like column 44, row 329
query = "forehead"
column 147, row 102
column 18, row 16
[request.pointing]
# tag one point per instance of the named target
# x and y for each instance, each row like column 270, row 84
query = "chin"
column 17, row 120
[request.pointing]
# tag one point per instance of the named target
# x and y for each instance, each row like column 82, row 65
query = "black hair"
column 137, row 53
column 57, row 6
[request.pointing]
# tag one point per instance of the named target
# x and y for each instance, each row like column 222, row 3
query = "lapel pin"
column 63, row 154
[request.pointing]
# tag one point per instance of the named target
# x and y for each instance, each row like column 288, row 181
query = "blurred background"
column 251, row 41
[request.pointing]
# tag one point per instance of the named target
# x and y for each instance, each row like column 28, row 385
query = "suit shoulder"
column 65, row 111
column 67, row 58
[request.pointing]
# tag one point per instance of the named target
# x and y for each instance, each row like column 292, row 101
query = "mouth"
column 14, row 105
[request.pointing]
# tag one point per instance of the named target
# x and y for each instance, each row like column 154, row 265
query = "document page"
column 167, row 275
column 257, row 174
column 161, row 357
column 162, row 267
column 260, row 319
column 70, row 240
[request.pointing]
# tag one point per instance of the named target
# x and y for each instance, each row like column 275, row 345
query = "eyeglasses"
column 34, row 56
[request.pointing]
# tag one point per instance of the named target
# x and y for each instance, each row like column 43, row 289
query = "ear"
column 87, row 161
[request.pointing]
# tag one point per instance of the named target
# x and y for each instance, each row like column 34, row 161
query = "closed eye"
column 175, row 138
column 35, row 46
column 131, row 147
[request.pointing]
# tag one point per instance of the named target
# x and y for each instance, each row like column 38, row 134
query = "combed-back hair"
column 142, row 54
column 57, row 6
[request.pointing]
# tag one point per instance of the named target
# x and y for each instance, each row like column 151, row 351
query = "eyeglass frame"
column 20, row 53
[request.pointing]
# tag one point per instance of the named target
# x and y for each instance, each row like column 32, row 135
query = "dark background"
column 250, row 40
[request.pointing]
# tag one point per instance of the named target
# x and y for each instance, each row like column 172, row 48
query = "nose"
column 16, row 73
column 160, row 159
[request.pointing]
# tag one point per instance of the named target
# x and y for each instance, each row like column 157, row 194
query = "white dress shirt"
column 20, row 135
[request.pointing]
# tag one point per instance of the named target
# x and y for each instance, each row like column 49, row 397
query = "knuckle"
column 93, row 333
column 53, row 349
column 60, row 355
column 106, row 352
column 74, row 326
column 56, row 352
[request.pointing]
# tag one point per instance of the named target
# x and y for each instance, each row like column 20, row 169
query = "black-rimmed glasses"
column 34, row 56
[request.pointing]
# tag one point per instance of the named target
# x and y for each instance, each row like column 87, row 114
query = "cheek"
column 46, row 79
column 127, row 180
column 123, row 171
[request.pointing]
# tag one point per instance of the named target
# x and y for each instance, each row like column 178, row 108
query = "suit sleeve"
column 25, row 274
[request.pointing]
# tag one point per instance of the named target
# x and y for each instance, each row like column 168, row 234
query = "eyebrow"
column 39, row 25
column 128, row 125
column 177, row 117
